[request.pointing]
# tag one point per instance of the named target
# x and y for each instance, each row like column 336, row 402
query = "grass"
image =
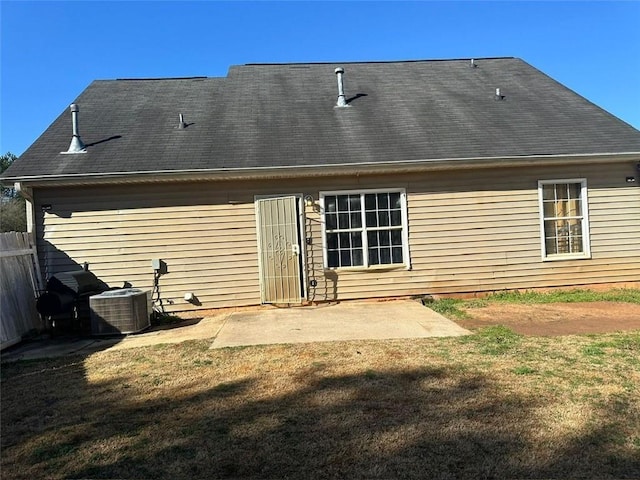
column 629, row 295
column 449, row 307
column 494, row 340
column 491, row 405
column 455, row 307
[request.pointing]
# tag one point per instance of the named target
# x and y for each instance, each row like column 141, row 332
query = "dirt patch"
column 556, row 318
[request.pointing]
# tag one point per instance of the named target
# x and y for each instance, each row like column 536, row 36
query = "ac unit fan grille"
column 119, row 311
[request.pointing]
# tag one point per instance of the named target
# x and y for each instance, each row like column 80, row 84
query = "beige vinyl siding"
column 479, row 231
column 469, row 231
column 208, row 244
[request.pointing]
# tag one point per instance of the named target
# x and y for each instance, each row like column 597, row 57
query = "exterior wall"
column 469, row 231
column 480, row 231
column 208, row 243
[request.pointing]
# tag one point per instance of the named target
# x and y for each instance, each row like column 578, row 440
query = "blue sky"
column 51, row 51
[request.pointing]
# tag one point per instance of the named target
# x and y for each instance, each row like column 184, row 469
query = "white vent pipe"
column 342, row 102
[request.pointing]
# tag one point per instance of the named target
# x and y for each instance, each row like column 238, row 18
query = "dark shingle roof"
column 284, row 115
column 128, row 126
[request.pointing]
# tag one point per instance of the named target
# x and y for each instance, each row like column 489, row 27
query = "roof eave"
column 316, row 171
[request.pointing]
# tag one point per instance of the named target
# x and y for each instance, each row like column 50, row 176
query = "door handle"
column 295, row 249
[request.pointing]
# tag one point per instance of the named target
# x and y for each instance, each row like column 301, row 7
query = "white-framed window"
column 564, row 219
column 365, row 228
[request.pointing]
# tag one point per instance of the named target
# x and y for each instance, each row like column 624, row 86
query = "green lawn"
column 454, row 307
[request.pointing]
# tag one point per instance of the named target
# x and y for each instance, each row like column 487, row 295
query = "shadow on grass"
column 420, row 423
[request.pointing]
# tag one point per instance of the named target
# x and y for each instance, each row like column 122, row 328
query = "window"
column 564, row 223
column 365, row 229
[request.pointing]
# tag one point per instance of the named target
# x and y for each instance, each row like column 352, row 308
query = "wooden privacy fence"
column 20, row 284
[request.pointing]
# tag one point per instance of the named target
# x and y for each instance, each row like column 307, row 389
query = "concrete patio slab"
column 334, row 322
column 266, row 325
column 205, row 328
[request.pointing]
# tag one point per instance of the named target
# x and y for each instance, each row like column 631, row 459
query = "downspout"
column 27, row 194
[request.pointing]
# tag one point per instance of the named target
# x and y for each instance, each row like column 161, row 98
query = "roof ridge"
column 380, row 61
column 163, row 78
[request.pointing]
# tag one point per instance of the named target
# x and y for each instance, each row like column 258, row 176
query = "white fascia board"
column 402, row 166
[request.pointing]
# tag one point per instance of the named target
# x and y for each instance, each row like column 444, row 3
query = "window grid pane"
column 344, row 249
column 562, row 218
column 342, row 215
column 345, row 232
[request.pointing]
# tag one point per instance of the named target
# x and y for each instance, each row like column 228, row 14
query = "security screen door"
column 279, row 243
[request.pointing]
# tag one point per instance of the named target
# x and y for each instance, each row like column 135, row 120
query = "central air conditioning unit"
column 120, row 311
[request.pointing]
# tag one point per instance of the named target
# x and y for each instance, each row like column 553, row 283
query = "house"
column 294, row 183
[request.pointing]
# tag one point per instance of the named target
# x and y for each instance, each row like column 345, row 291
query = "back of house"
column 296, row 183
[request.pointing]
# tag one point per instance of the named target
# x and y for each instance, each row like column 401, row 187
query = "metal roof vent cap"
column 342, row 102
column 76, row 145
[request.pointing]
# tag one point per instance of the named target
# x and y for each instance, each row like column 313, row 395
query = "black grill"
column 66, row 300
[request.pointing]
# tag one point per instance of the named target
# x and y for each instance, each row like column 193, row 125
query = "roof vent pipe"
column 181, row 123
column 341, row 99
column 76, row 145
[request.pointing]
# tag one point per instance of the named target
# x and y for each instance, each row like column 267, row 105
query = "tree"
column 13, row 214
column 5, row 162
